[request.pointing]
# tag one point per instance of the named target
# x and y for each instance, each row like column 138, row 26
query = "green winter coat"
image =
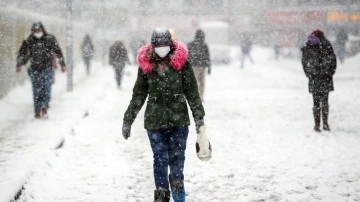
column 168, row 86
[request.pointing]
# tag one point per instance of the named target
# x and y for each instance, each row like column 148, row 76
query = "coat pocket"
column 178, row 108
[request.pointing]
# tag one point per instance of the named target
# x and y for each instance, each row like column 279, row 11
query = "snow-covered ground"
column 259, row 121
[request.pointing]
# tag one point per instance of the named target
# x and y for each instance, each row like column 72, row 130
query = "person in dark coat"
column 319, row 63
column 87, row 50
column 40, row 48
column 199, row 58
column 118, row 55
column 340, row 42
column 246, row 46
column 167, row 79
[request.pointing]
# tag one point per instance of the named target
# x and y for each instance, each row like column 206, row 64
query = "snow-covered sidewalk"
column 27, row 142
column 259, row 122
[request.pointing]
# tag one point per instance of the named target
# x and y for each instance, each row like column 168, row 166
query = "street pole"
column 104, row 26
column 69, row 46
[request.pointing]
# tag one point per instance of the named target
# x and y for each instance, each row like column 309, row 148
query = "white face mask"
column 162, row 51
column 38, row 34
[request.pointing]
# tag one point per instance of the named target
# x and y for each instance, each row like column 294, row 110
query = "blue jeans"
column 41, row 85
column 168, row 146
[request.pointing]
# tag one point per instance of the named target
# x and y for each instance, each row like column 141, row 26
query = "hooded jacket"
column 319, row 64
column 39, row 51
column 168, row 82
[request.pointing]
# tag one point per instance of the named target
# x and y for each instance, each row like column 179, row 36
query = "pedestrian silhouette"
column 40, row 48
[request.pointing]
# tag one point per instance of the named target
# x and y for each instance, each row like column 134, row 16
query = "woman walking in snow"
column 167, row 78
column 319, row 63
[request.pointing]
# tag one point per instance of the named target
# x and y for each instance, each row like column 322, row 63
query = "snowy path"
column 260, row 124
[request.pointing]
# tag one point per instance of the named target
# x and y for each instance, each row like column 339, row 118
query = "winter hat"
column 37, row 26
column 161, row 36
column 313, row 39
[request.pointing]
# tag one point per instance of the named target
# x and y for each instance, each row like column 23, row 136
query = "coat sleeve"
column 140, row 92
column 207, row 57
column 305, row 61
column 24, row 53
column 127, row 56
column 190, row 53
column 331, row 60
column 57, row 51
column 111, row 55
column 191, row 92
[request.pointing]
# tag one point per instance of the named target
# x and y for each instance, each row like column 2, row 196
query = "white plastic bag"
column 203, row 146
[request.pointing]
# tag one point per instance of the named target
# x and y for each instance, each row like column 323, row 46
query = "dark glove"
column 198, row 124
column 126, row 128
column 209, row 70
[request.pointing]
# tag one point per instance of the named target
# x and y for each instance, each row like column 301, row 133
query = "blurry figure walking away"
column 340, row 43
column 319, row 63
column 199, row 58
column 39, row 48
column 246, row 46
column 166, row 77
column 277, row 51
column 275, row 40
column 118, row 55
column 87, row 50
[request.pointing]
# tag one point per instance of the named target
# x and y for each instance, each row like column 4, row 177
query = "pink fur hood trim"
column 177, row 60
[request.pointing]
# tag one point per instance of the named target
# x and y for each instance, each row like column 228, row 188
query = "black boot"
column 316, row 112
column 161, row 195
column 325, row 116
column 177, row 189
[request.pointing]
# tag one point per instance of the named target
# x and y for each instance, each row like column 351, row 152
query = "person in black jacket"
column 118, row 55
column 199, row 58
column 246, row 46
column 39, row 48
column 87, row 50
column 319, row 63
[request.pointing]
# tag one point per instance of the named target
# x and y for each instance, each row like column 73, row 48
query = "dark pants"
column 118, row 73
column 341, row 52
column 243, row 57
column 87, row 64
column 41, row 85
column 168, row 146
column 321, row 99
